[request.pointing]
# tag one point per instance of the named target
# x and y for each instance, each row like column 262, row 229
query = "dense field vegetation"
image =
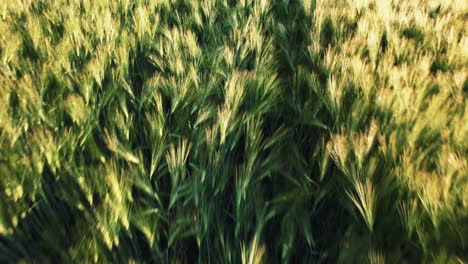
column 269, row 131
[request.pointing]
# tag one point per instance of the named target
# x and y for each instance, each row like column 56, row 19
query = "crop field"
column 224, row 131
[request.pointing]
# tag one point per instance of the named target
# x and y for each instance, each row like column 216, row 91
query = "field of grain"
column 224, row 131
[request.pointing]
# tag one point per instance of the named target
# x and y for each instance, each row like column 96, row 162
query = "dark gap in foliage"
column 384, row 42
column 79, row 58
column 413, row 33
column 67, row 120
column 440, row 64
column 28, row 50
column 46, row 229
column 327, row 36
column 40, row 6
column 365, row 56
column 432, row 90
column 351, row 26
column 13, row 104
column 52, row 89
column 465, row 87
column 133, row 247
column 435, row 12
column 54, row 29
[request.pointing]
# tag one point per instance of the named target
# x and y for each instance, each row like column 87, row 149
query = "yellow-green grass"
column 218, row 131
